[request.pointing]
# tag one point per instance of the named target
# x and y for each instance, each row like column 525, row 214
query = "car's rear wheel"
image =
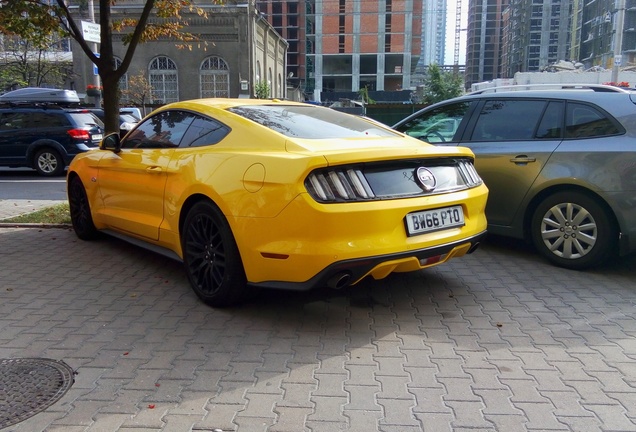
column 80, row 210
column 211, row 257
column 574, row 231
column 48, row 162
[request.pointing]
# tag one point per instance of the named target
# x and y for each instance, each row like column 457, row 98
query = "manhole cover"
column 30, row 385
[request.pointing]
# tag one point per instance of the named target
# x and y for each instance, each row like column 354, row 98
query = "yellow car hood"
column 338, row 151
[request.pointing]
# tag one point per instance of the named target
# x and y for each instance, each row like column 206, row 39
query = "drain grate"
column 30, row 385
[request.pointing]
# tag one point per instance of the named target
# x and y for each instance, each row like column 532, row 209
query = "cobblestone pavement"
column 495, row 341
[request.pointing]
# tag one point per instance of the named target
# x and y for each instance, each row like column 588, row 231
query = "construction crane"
column 458, row 31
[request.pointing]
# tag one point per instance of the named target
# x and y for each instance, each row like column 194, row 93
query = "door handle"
column 522, row 159
column 154, row 170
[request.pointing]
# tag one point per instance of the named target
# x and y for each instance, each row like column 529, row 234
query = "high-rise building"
column 483, row 40
column 433, row 32
column 597, row 24
column 348, row 45
column 536, row 35
column 433, row 45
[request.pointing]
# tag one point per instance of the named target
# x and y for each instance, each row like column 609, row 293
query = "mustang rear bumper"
column 349, row 272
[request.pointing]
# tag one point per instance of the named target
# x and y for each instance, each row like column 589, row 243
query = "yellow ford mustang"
column 267, row 193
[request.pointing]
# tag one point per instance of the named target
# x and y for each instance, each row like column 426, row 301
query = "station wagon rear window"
column 310, row 122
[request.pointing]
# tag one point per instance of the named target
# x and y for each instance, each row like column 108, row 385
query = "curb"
column 33, row 225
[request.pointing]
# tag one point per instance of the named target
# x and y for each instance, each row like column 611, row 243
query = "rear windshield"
column 86, row 119
column 129, row 118
column 311, row 122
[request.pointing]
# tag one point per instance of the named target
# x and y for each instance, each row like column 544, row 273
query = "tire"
column 81, row 217
column 212, row 259
column 48, row 162
column 572, row 230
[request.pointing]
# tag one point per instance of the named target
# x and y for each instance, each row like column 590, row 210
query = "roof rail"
column 27, row 104
column 573, row 86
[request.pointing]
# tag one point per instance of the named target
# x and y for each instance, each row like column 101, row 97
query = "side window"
column 438, row 125
column 43, row 120
column 508, row 120
column 552, row 122
column 585, row 121
column 12, row 121
column 204, row 131
column 163, row 130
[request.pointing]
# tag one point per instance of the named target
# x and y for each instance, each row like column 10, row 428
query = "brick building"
column 348, row 45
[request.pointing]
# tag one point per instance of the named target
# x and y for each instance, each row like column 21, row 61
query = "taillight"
column 334, row 185
column 79, row 134
column 391, row 180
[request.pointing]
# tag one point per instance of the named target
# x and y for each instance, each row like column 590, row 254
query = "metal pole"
column 618, row 39
column 91, row 16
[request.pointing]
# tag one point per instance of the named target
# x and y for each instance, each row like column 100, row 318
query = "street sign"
column 618, row 59
column 91, row 32
column 95, row 70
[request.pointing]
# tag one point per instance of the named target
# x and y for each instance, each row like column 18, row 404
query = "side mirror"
column 111, row 142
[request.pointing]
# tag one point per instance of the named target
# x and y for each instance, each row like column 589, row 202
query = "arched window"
column 123, row 82
column 281, row 92
column 214, row 77
column 270, row 83
column 163, row 80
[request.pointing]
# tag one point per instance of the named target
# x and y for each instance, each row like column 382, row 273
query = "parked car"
column 560, row 164
column 133, row 111
column 44, row 135
column 126, row 121
column 277, row 194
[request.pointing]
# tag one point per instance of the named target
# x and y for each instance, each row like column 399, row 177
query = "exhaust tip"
column 339, row 280
column 473, row 248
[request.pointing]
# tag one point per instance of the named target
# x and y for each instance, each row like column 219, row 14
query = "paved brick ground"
column 496, row 341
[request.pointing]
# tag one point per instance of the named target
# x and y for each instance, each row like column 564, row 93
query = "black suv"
column 45, row 136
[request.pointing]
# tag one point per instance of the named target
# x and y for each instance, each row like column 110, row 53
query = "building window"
column 123, row 81
column 163, row 80
column 215, row 78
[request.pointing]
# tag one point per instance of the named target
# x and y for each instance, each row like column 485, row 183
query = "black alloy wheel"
column 80, row 210
column 572, row 230
column 48, row 162
column 211, row 257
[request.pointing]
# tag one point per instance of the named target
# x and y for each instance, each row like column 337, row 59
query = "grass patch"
column 57, row 214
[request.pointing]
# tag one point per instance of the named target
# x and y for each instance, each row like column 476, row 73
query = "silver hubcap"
column 568, row 230
column 47, row 162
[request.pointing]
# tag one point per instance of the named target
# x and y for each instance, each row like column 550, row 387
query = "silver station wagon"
column 560, row 164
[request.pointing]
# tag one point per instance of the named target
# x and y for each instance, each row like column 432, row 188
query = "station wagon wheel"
column 80, row 210
column 574, row 231
column 211, row 257
column 48, row 162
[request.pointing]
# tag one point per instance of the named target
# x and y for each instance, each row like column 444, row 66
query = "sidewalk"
column 497, row 341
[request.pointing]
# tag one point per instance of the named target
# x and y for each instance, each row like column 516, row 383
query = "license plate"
column 97, row 137
column 434, row 220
